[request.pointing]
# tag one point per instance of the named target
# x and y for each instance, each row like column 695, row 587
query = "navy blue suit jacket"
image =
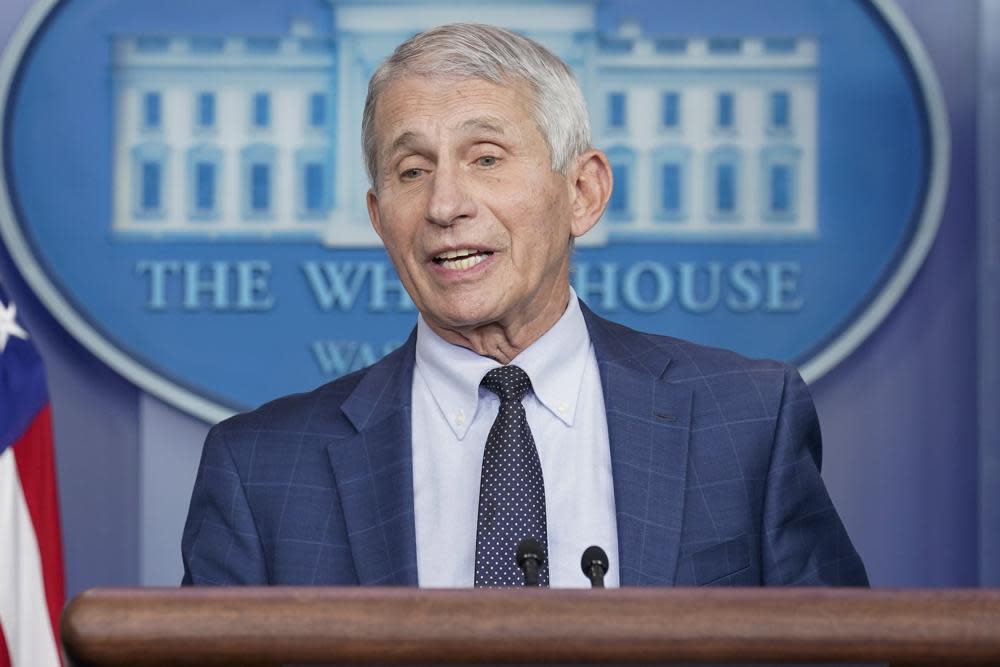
column 715, row 459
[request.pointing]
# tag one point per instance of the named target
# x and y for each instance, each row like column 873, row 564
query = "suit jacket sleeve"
column 803, row 541
column 221, row 545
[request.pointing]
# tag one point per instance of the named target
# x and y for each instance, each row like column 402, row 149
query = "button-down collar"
column 555, row 363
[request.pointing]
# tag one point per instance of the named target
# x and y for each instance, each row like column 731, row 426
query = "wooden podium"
column 395, row 626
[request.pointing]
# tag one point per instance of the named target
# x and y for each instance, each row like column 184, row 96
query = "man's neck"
column 502, row 341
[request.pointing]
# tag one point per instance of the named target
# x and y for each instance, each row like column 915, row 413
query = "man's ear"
column 373, row 214
column 592, row 183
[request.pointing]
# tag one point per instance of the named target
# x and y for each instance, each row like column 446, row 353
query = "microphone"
column 530, row 557
column 595, row 565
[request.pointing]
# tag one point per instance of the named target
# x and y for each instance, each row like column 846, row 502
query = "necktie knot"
column 510, row 383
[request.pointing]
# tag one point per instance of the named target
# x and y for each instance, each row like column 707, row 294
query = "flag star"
column 8, row 325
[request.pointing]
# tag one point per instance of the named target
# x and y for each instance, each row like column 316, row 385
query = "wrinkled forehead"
column 416, row 104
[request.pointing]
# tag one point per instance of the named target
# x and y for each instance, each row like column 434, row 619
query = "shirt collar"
column 452, row 374
column 555, row 363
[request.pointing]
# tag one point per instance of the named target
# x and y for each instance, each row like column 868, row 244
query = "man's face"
column 475, row 220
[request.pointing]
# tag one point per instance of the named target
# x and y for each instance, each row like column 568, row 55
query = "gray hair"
column 471, row 50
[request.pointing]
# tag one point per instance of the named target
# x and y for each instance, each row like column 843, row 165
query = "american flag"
column 32, row 588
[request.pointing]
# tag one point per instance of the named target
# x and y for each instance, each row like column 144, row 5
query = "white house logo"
column 210, row 147
column 183, row 185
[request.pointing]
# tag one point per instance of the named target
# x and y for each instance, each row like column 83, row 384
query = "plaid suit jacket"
column 715, row 459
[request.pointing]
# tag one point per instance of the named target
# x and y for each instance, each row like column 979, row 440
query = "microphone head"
column 592, row 556
column 530, row 549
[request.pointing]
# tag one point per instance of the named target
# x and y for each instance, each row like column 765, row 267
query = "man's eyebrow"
column 402, row 141
column 486, row 124
column 490, row 125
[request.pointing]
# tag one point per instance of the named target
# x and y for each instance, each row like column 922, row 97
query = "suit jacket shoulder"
column 734, row 450
column 725, row 385
column 267, row 506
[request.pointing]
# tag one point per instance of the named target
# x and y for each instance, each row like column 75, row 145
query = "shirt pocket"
column 721, row 560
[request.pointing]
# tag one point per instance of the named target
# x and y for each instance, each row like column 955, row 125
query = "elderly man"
column 512, row 411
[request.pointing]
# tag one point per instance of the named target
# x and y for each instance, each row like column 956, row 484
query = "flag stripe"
column 4, row 656
column 24, row 613
column 36, row 469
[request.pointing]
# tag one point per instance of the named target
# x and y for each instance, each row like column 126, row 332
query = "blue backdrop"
column 908, row 455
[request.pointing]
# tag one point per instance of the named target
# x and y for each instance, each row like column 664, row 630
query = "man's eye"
column 412, row 173
column 487, row 161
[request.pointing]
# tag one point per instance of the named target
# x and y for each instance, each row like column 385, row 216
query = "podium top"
column 390, row 626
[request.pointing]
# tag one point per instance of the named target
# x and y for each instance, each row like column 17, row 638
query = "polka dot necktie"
column 511, row 494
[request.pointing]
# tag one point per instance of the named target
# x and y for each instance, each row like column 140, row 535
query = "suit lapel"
column 373, row 469
column 648, row 429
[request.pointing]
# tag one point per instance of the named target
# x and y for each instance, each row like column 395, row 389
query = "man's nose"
column 449, row 200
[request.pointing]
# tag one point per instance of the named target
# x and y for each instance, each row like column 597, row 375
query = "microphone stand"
column 530, row 557
column 595, row 564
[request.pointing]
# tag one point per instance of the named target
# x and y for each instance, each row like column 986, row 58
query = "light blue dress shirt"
column 451, row 419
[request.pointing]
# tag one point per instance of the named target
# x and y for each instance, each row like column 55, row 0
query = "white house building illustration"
column 257, row 137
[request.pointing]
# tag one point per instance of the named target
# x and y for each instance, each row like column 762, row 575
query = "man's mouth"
column 458, row 260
